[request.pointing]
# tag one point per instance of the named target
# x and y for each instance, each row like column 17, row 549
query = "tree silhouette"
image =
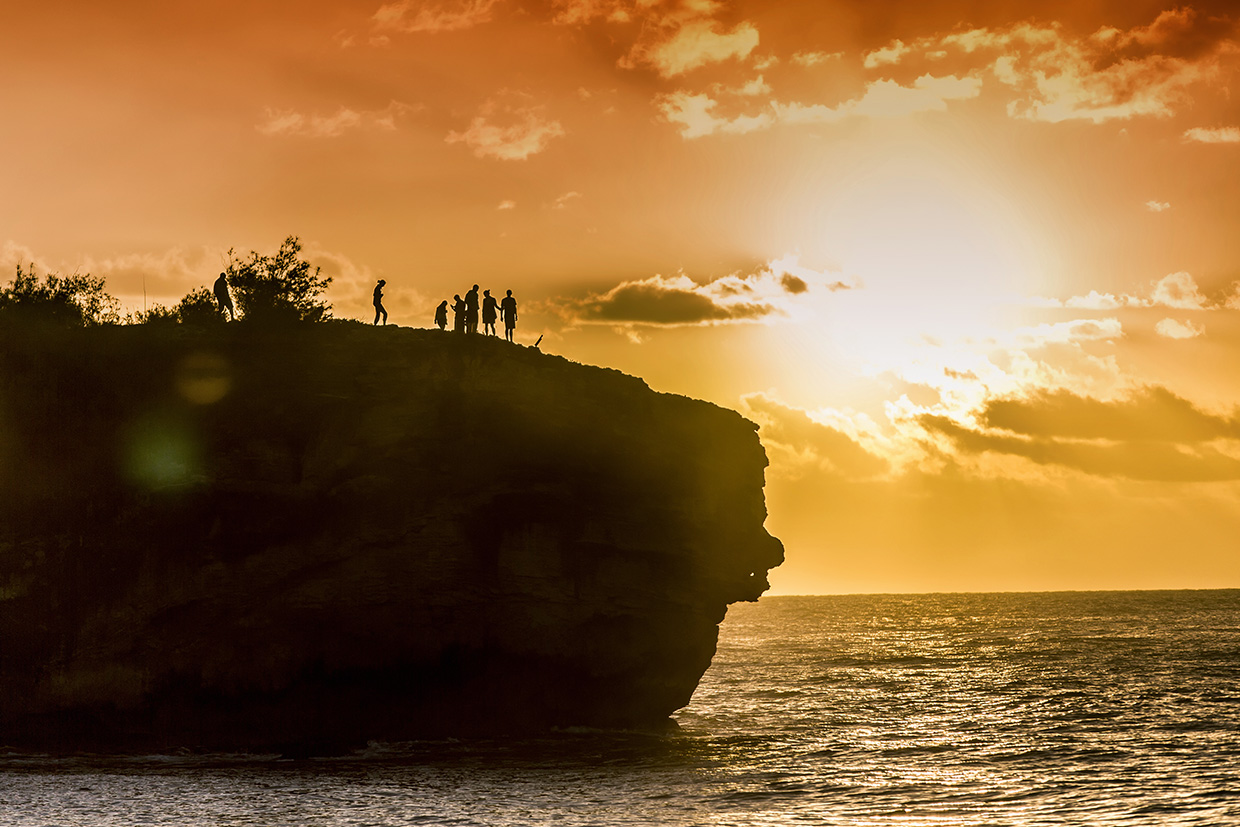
column 279, row 288
column 69, row 301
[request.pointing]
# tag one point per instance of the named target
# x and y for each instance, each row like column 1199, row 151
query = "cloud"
column 1217, row 135
column 410, row 16
column 803, row 443
column 1136, row 460
column 290, row 122
column 1174, row 329
column 1149, row 413
column 1178, row 291
column 1096, row 301
column 1055, row 76
column 352, row 285
column 13, row 255
column 1149, row 434
column 696, row 113
column 886, row 56
column 668, row 301
column 808, row 59
column 1157, row 206
column 507, row 205
column 563, row 201
column 508, row 132
column 1077, row 330
column 581, row 12
column 674, row 37
column 750, row 89
column 696, row 44
column 679, row 300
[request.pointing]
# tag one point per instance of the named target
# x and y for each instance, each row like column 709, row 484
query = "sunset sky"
column 973, row 266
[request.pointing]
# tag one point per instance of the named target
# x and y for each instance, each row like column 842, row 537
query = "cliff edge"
column 309, row 538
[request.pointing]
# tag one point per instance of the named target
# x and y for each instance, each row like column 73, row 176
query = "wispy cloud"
column 693, row 45
column 889, row 54
column 410, row 16
column 1176, row 329
column 801, row 441
column 696, row 114
column 1158, row 206
column 1216, row 135
column 1113, row 74
column 674, row 37
column 1178, row 291
column 808, row 59
column 291, row 122
column 508, row 132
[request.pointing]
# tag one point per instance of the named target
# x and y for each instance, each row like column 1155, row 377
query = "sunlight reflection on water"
column 1119, row 708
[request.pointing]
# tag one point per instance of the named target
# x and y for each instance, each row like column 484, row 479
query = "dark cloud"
column 793, row 284
column 1150, row 435
column 1150, row 414
column 793, row 429
column 658, row 302
column 1184, row 33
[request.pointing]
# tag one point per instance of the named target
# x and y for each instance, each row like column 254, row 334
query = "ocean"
column 1088, row 708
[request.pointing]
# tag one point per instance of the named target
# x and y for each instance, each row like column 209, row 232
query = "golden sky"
column 974, row 266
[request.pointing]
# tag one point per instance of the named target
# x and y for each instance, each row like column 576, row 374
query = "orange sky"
column 972, row 265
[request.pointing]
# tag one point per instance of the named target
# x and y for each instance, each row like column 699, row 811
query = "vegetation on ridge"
column 267, row 289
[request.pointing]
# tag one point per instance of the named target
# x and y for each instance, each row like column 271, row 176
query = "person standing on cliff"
column 441, row 315
column 508, row 307
column 458, row 314
column 471, row 310
column 489, row 312
column 223, row 298
column 379, row 302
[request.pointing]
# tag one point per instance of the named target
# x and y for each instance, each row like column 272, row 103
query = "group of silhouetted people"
column 465, row 313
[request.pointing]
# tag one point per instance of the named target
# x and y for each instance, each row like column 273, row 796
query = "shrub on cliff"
column 279, row 288
column 198, row 308
column 69, row 301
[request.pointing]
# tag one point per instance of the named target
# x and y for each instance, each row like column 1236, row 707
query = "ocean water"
column 1091, row 708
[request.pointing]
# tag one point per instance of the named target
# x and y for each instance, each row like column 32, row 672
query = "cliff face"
column 309, row 538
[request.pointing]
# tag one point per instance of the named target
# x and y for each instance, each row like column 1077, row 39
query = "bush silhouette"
column 279, row 288
column 198, row 307
column 69, row 301
column 155, row 314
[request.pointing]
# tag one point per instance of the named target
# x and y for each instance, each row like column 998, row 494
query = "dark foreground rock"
column 306, row 539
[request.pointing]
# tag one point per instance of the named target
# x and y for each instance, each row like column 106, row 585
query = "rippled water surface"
column 1074, row 708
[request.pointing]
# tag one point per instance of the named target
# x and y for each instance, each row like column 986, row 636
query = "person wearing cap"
column 379, row 311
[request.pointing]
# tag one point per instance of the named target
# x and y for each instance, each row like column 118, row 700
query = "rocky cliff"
column 303, row 539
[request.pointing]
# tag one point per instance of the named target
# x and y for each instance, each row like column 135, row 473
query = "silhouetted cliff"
column 312, row 537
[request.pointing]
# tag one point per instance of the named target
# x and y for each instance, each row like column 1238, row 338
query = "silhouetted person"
column 458, row 314
column 471, row 310
column 508, row 307
column 490, row 308
column 379, row 311
column 441, row 315
column 222, row 297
